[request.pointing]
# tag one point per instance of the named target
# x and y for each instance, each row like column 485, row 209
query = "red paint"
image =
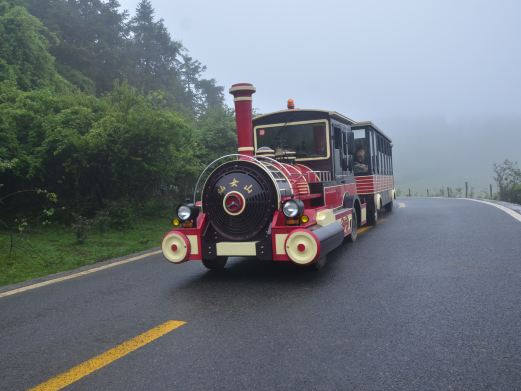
column 197, row 231
column 334, row 195
column 233, row 202
column 242, row 93
column 301, row 247
column 307, row 173
column 370, row 184
column 173, row 247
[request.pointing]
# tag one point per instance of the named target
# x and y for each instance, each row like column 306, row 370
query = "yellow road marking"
column 86, row 368
column 79, row 274
column 368, row 227
column 363, row 229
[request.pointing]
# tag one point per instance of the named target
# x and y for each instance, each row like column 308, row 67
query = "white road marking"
column 401, row 205
column 79, row 274
column 508, row 211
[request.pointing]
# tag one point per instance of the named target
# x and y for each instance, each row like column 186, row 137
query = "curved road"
column 430, row 299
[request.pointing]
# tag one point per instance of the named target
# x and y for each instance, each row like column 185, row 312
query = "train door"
column 374, row 153
column 340, row 151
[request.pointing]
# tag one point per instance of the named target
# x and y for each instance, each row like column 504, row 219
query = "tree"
column 154, row 55
column 140, row 126
column 96, row 44
column 90, row 51
column 216, row 134
column 508, row 179
column 212, row 95
column 24, row 56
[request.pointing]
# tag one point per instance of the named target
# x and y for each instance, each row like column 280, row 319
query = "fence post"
column 427, row 192
column 466, row 189
column 491, row 191
column 409, row 192
column 448, row 192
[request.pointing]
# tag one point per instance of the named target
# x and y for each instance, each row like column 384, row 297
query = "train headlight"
column 184, row 212
column 293, row 208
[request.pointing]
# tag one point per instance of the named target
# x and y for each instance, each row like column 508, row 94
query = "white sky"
column 420, row 69
column 366, row 59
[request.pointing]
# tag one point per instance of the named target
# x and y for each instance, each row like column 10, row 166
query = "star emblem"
column 234, row 183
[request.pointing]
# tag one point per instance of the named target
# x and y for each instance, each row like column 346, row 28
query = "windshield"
column 308, row 140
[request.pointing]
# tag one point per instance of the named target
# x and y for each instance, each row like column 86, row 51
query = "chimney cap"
column 242, row 87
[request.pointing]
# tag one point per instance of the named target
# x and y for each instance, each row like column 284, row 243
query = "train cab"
column 319, row 139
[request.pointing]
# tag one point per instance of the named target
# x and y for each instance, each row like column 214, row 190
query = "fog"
column 441, row 78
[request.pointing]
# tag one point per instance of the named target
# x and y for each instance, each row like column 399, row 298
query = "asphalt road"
column 428, row 300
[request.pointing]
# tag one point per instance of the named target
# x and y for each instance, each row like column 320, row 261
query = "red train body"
column 303, row 181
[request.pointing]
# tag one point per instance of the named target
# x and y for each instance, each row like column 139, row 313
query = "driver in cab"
column 360, row 167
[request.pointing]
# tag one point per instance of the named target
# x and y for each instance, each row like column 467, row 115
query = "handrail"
column 323, row 176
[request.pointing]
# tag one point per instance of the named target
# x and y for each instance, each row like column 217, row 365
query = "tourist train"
column 301, row 183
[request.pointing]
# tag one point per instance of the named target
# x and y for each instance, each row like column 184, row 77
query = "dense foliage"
column 106, row 111
column 508, row 179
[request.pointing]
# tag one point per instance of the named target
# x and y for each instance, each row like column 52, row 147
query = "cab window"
column 308, row 140
column 362, row 153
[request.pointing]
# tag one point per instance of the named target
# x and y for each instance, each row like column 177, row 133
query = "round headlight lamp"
column 293, row 208
column 184, row 212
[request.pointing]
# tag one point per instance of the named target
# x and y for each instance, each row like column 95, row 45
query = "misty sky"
column 421, row 70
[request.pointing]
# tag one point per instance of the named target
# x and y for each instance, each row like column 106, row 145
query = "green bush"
column 80, row 226
column 515, row 194
column 508, row 178
column 122, row 215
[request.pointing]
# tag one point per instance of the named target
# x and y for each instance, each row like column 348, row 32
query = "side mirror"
column 350, row 143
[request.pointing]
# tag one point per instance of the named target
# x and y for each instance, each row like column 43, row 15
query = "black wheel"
column 320, row 263
column 372, row 216
column 389, row 207
column 354, row 228
column 215, row 264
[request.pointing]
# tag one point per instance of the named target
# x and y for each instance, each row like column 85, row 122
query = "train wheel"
column 372, row 217
column 215, row 264
column 389, row 207
column 320, row 263
column 354, row 228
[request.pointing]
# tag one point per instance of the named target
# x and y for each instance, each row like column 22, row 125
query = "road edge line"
column 508, row 211
column 73, row 275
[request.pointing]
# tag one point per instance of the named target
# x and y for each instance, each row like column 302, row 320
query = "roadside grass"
column 54, row 249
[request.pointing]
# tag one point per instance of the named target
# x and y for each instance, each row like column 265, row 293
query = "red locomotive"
column 303, row 181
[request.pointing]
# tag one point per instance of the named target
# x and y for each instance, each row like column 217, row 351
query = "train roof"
column 299, row 114
column 328, row 113
column 362, row 124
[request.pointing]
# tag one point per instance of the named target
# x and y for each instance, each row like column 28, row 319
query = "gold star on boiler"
column 234, row 183
column 221, row 189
